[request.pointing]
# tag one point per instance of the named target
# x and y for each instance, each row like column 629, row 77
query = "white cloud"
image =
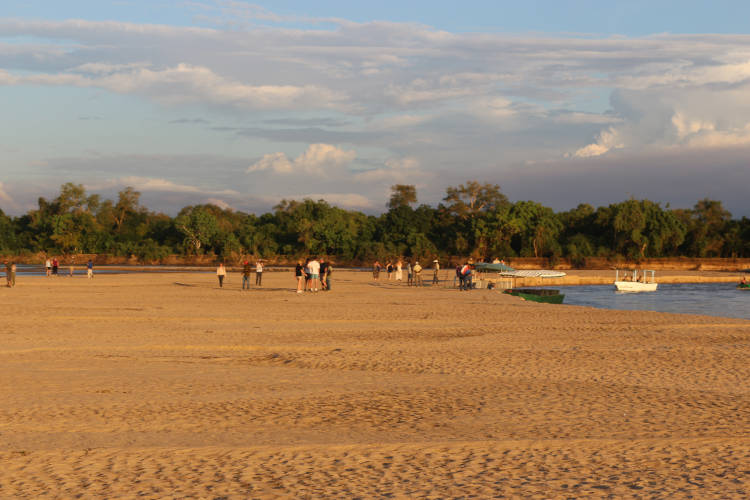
column 159, row 185
column 6, row 199
column 276, row 162
column 316, row 160
column 608, row 140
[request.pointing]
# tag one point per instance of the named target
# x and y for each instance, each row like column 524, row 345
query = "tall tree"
column 402, row 195
column 470, row 199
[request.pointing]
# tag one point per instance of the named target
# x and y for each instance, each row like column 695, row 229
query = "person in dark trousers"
column 323, row 267
column 460, row 277
column 259, row 272
column 221, row 272
column 246, row 270
column 329, row 270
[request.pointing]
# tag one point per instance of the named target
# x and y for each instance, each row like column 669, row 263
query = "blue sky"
column 244, row 103
column 624, row 17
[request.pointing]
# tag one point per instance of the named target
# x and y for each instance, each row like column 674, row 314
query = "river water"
column 712, row 299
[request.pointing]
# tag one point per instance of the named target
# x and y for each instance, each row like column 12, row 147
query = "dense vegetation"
column 473, row 219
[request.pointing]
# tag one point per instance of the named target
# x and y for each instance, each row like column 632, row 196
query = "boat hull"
column 635, row 286
column 543, row 296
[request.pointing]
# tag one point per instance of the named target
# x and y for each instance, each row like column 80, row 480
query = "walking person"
column 48, row 267
column 409, row 274
column 389, row 269
column 12, row 274
column 435, row 271
column 55, row 266
column 246, row 270
column 460, row 278
column 221, row 273
column 299, row 273
column 376, row 270
column 399, row 270
column 71, row 267
column 259, row 272
column 417, row 274
column 7, row 274
column 90, row 269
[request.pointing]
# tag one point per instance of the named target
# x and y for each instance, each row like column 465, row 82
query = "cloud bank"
column 334, row 106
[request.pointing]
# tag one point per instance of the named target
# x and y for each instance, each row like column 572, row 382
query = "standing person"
column 246, row 270
column 7, row 274
column 48, row 266
column 323, row 271
column 308, row 274
column 12, row 275
column 409, row 274
column 299, row 273
column 72, row 267
column 55, row 266
column 314, row 267
column 329, row 271
column 221, row 273
column 435, row 271
column 259, row 272
column 376, row 270
column 389, row 269
column 90, row 269
column 399, row 270
column 460, row 278
column 417, row 274
column 466, row 273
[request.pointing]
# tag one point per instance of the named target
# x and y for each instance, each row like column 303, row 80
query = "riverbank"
column 130, row 385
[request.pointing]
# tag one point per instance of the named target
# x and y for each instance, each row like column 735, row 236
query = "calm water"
column 713, row 299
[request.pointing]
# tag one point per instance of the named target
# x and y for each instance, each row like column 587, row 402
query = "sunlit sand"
column 130, row 385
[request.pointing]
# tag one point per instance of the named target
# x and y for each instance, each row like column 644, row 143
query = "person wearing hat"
column 435, row 270
column 246, row 270
column 417, row 274
column 259, row 272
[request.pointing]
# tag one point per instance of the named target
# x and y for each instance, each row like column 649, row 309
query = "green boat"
column 544, row 295
column 743, row 286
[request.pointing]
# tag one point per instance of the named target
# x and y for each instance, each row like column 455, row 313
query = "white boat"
column 646, row 282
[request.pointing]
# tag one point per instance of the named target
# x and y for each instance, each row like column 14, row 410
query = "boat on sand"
column 545, row 295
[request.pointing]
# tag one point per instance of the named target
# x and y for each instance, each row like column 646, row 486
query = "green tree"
column 402, row 195
column 198, row 227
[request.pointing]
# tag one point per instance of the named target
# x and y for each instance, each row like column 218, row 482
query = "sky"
column 243, row 104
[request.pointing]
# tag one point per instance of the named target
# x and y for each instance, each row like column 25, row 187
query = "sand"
column 132, row 385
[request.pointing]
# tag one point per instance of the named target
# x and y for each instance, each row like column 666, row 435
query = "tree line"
column 473, row 219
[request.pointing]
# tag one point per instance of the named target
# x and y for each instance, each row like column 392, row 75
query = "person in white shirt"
column 314, row 267
column 48, row 266
column 258, row 272
column 221, row 272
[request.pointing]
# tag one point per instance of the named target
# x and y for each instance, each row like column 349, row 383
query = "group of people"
column 52, row 267
column 464, row 274
column 313, row 275
column 413, row 273
column 247, row 271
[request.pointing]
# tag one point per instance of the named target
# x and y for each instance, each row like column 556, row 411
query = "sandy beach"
column 164, row 385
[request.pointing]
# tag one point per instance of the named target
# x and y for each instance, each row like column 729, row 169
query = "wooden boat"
column 544, row 295
column 633, row 283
